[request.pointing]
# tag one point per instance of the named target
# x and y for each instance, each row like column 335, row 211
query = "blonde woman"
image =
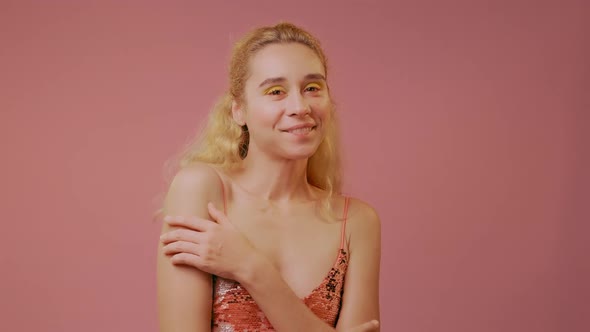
column 257, row 236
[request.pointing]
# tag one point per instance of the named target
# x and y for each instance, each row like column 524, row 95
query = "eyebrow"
column 275, row 80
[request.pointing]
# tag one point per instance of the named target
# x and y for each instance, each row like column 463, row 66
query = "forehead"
column 292, row 61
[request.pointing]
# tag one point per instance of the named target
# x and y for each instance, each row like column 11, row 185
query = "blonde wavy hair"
column 224, row 144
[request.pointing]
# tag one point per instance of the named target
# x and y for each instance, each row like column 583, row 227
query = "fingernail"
column 167, row 218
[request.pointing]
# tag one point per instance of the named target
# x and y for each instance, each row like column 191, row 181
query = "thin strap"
column 222, row 192
column 345, row 217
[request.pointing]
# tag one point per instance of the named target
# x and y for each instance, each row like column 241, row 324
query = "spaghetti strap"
column 222, row 192
column 345, row 217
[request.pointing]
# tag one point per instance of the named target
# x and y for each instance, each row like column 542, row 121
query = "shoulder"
column 195, row 176
column 359, row 209
column 363, row 222
column 193, row 185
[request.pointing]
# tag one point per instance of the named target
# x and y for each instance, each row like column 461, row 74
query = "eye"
column 274, row 91
column 313, row 87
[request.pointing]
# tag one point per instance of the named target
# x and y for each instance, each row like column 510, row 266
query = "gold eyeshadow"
column 314, row 85
column 273, row 88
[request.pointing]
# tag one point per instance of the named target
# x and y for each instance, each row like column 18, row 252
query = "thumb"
column 217, row 215
column 370, row 326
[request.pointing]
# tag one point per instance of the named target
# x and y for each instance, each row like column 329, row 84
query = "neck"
column 277, row 180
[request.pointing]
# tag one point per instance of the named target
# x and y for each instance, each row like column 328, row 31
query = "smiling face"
column 286, row 103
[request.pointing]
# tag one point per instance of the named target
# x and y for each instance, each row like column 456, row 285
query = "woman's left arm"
column 360, row 301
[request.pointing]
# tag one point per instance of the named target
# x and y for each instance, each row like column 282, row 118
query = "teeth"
column 301, row 130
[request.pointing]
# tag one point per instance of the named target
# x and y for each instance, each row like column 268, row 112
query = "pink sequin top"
column 235, row 310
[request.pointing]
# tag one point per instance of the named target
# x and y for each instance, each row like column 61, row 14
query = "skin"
column 271, row 229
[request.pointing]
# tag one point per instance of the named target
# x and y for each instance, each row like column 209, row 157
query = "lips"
column 303, row 130
column 300, row 129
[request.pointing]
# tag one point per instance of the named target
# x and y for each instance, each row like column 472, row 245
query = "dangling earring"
column 244, row 142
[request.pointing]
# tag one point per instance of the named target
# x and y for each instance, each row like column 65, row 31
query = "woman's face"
column 287, row 104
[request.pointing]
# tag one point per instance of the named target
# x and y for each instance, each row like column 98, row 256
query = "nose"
column 297, row 105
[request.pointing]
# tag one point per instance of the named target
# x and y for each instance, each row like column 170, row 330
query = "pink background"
column 465, row 124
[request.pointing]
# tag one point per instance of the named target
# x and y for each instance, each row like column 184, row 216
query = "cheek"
column 263, row 115
column 322, row 108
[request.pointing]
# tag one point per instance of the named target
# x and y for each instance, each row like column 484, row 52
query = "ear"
column 238, row 113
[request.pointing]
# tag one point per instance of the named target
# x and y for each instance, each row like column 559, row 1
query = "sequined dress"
column 235, row 310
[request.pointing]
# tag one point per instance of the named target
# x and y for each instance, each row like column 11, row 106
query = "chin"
column 300, row 154
column 301, row 157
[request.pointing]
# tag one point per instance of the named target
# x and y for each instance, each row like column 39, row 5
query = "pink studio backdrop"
column 464, row 124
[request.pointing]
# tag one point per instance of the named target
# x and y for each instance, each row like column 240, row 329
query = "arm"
column 280, row 304
column 361, row 291
column 360, row 301
column 184, row 293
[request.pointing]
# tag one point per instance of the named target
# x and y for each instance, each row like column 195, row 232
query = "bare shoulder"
column 196, row 174
column 363, row 222
column 359, row 209
column 192, row 186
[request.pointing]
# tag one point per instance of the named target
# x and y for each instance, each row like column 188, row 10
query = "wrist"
column 254, row 267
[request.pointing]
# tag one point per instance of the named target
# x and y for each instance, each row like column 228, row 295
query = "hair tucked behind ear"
column 223, row 143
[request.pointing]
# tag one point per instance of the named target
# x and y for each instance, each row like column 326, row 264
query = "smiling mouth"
column 300, row 131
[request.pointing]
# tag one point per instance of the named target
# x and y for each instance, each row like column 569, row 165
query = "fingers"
column 181, row 247
column 182, row 234
column 216, row 214
column 193, row 223
column 187, row 259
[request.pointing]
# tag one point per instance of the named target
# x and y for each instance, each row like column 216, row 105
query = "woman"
column 255, row 216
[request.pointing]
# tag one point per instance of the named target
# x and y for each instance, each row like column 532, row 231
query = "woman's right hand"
column 370, row 326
